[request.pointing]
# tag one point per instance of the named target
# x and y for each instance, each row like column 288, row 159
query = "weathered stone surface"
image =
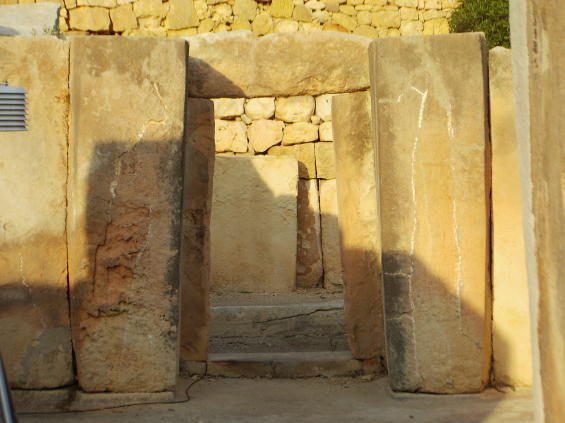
column 295, row 109
column 195, row 240
column 34, row 319
column 359, row 223
column 262, row 24
column 260, row 108
column 238, row 64
column 230, row 136
column 331, row 251
column 296, row 133
column 182, row 14
column 228, row 107
column 539, row 63
column 28, row 19
column 148, row 8
column 309, row 268
column 431, row 126
column 102, row 3
column 512, row 356
column 305, row 155
column 254, row 224
column 125, row 184
column 123, row 18
column 89, row 19
column 290, row 327
column 324, row 107
column 326, row 132
column 325, row 160
column 282, row 8
column 264, row 134
column 386, row 19
column 245, row 9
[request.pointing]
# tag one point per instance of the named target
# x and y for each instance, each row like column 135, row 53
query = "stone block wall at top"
column 372, row 18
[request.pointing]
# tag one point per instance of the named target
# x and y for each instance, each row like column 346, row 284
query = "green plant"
column 488, row 16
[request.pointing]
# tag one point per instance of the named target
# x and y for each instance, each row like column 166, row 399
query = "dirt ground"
column 311, row 400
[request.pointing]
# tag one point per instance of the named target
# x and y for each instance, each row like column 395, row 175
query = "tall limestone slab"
column 34, row 312
column 512, row 356
column 359, row 223
column 195, row 242
column 331, row 251
column 539, row 63
column 254, row 224
column 431, row 116
column 125, row 184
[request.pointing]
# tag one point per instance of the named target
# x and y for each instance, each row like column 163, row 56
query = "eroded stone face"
column 538, row 65
column 309, row 268
column 125, row 206
column 34, row 318
column 331, row 252
column 254, row 224
column 511, row 324
column 431, row 122
column 195, row 242
column 359, row 223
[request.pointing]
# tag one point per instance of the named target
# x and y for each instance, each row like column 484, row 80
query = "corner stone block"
column 195, row 242
column 254, row 224
column 34, row 318
column 331, row 252
column 359, row 223
column 125, row 185
column 431, row 115
column 511, row 324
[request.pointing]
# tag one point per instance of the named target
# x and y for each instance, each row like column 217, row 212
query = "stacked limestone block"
column 297, row 126
column 372, row 18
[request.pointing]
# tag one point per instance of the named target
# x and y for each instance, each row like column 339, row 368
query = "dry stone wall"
column 298, row 127
column 372, row 18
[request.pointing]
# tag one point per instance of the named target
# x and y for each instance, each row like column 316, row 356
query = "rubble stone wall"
column 372, row 18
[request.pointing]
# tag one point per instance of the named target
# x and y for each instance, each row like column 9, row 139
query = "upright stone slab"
column 331, row 252
column 125, row 184
column 195, row 242
column 512, row 356
column 431, row 117
column 539, row 63
column 309, row 268
column 34, row 317
column 359, row 223
column 254, row 224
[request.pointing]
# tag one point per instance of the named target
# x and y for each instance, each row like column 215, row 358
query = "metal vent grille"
column 12, row 108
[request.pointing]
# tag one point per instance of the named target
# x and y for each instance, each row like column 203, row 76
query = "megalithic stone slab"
column 125, row 185
column 431, row 133
column 512, row 354
column 539, row 66
column 359, row 223
column 254, row 224
column 331, row 254
column 195, row 243
column 309, row 267
column 35, row 333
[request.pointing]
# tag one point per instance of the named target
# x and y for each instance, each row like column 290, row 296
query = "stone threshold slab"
column 72, row 399
column 284, row 365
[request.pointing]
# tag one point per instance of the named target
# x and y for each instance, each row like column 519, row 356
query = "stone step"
column 318, row 326
column 284, row 364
